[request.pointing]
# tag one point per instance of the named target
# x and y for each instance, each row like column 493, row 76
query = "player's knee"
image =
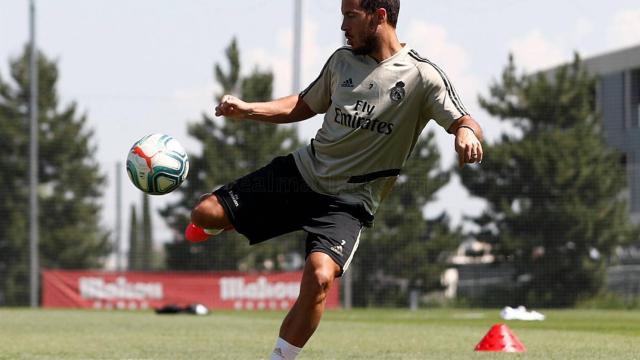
column 321, row 281
column 208, row 213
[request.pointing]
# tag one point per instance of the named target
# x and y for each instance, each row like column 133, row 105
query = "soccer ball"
column 157, row 164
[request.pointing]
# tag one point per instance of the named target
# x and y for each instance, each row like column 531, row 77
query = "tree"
column 141, row 252
column 230, row 149
column 404, row 249
column 70, row 182
column 134, row 241
column 146, row 253
column 555, row 210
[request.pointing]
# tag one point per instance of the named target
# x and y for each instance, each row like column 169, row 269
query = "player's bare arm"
column 280, row 111
column 468, row 140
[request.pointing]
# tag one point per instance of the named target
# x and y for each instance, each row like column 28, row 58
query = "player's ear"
column 381, row 15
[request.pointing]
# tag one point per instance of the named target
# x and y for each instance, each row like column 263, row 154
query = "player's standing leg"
column 303, row 318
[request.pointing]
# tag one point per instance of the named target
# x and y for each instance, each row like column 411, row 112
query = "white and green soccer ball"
column 157, row 164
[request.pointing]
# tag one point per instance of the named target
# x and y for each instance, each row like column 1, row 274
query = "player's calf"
column 207, row 219
column 209, row 214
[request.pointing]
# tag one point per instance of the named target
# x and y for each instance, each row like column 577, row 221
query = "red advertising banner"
column 143, row 290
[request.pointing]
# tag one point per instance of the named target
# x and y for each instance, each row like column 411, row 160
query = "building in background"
column 618, row 100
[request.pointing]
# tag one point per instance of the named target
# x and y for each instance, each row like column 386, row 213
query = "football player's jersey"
column 374, row 114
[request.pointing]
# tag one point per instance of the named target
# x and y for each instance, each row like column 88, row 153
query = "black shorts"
column 275, row 200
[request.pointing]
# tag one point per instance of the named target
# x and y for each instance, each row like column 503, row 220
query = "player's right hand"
column 231, row 106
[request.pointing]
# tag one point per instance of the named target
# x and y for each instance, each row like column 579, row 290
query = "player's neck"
column 389, row 45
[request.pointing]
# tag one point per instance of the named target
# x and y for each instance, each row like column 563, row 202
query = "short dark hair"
column 392, row 7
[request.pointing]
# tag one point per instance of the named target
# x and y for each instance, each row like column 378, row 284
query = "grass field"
column 359, row 334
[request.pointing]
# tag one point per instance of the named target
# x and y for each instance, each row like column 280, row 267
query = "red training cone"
column 500, row 338
column 195, row 234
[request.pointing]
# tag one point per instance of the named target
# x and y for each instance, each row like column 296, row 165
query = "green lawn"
column 359, row 334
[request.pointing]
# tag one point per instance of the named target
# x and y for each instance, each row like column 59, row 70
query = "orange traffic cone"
column 500, row 338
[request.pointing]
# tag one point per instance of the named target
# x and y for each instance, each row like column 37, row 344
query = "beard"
column 370, row 44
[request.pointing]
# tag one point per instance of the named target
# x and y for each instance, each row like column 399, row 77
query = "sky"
column 146, row 66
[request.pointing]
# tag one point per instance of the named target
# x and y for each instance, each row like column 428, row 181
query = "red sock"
column 195, row 234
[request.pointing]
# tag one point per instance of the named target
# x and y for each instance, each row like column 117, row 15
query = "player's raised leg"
column 208, row 218
column 303, row 318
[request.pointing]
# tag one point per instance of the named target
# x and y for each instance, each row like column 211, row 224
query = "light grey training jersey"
column 374, row 114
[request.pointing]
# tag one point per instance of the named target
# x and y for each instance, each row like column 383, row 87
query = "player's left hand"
column 468, row 147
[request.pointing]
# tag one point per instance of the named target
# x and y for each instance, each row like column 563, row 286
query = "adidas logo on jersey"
column 337, row 249
column 347, row 83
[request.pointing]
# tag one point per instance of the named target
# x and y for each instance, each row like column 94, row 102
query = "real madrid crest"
column 397, row 92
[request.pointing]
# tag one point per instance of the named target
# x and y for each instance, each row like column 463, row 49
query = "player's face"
column 359, row 28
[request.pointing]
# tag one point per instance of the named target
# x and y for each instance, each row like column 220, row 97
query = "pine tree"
column 403, row 247
column 146, row 248
column 555, row 210
column 231, row 149
column 134, row 241
column 70, row 182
